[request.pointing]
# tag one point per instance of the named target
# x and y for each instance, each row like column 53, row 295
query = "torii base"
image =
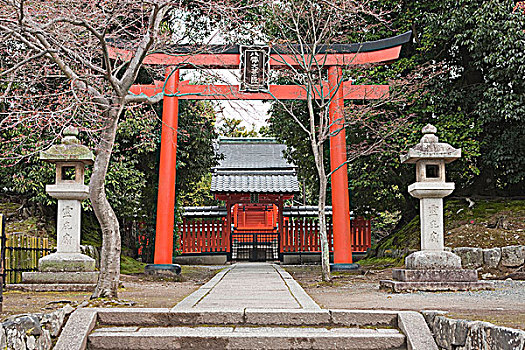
column 344, row 267
column 163, row 269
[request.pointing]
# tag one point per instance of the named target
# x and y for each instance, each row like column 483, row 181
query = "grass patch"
column 381, row 262
column 129, row 266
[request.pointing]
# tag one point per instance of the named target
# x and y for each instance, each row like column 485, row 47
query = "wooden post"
column 227, row 230
column 280, row 216
column 167, row 172
column 340, row 198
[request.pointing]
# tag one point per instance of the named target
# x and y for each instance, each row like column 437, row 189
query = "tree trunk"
column 108, row 280
column 325, row 248
column 317, row 149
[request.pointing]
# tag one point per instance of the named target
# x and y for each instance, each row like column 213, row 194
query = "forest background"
column 476, row 102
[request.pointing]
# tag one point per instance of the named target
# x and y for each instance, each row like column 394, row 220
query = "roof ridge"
column 224, row 139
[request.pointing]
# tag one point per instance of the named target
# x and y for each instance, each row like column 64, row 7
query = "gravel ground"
column 505, row 305
column 137, row 291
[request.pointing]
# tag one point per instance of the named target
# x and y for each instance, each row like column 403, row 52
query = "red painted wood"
column 302, row 235
column 203, row 236
column 279, row 92
column 168, row 158
column 339, row 177
column 184, row 245
column 206, row 235
column 316, row 246
column 195, row 236
column 311, row 232
column 232, row 61
column 214, row 236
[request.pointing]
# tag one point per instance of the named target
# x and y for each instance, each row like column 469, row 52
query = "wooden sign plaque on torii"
column 332, row 57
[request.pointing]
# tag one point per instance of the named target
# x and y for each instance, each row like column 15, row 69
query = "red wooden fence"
column 300, row 235
column 361, row 234
column 203, row 236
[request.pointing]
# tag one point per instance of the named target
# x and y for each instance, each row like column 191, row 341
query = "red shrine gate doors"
column 334, row 58
column 255, row 236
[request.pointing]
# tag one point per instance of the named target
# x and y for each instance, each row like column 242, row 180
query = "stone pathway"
column 249, row 285
column 245, row 306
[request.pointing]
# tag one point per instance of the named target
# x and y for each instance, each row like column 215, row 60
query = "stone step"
column 242, row 337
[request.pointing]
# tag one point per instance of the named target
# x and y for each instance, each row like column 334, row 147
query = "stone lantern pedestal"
column 432, row 268
column 67, row 269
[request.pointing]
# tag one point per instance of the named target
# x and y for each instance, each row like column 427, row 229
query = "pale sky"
column 249, row 112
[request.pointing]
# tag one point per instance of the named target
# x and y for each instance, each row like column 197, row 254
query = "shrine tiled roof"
column 253, row 165
column 218, row 211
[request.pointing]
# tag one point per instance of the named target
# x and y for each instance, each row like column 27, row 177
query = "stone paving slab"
column 127, row 328
column 250, row 285
column 234, row 304
column 287, row 317
column 249, row 338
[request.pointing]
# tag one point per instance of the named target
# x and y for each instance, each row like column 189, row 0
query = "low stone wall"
column 201, row 259
column 32, row 331
column 505, row 258
column 452, row 334
column 494, row 260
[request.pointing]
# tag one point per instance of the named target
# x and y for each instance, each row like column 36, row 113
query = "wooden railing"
column 20, row 253
column 203, row 236
column 302, row 235
column 361, row 234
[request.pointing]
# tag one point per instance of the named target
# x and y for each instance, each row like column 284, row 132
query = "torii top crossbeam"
column 333, row 57
column 281, row 56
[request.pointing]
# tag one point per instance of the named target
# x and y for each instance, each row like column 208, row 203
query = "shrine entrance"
column 257, row 223
column 255, row 63
column 255, row 236
column 255, row 246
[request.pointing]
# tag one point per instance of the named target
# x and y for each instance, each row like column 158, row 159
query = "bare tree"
column 57, row 70
column 303, row 31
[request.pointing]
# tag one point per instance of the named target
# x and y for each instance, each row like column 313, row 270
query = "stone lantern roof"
column 430, row 148
column 70, row 150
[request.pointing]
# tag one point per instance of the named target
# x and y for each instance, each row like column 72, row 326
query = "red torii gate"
column 332, row 57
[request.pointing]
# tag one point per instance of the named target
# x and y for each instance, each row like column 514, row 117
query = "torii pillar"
column 163, row 258
column 339, row 179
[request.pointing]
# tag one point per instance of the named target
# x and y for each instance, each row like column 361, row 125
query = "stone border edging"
column 302, row 298
column 75, row 334
column 82, row 322
column 509, row 257
column 194, row 298
column 452, row 334
column 418, row 337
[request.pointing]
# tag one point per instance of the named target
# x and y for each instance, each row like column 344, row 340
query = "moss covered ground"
column 482, row 223
column 19, row 223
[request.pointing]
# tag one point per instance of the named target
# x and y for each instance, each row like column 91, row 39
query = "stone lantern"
column 432, row 268
column 430, row 157
column 68, row 265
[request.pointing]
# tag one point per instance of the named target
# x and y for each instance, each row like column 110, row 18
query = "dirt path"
column 504, row 306
column 136, row 291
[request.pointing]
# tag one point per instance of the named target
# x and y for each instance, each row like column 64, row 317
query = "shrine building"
column 256, row 222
